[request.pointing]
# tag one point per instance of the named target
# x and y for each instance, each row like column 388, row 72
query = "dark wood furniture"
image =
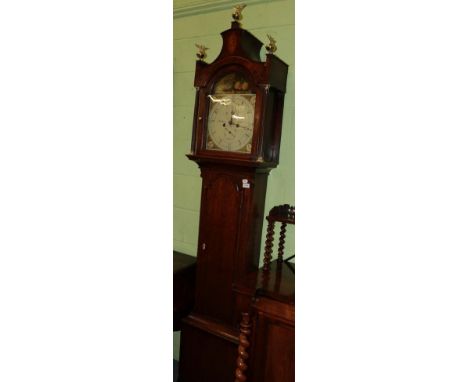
column 234, row 182
column 265, row 299
column 266, row 341
column 183, row 286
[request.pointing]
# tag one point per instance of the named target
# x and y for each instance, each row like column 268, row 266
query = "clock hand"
column 237, row 118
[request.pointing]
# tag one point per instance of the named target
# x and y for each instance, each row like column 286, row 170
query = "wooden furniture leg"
column 242, row 350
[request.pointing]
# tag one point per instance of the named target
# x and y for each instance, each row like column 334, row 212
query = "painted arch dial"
column 231, row 122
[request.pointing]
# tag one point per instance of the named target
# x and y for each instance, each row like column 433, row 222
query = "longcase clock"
column 235, row 142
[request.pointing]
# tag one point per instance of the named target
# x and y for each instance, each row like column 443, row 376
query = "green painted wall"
column 202, row 22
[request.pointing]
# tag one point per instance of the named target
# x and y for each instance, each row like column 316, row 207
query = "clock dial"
column 230, row 122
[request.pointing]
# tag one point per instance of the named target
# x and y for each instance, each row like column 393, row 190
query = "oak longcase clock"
column 236, row 142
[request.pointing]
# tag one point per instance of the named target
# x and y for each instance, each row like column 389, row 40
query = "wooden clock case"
column 232, row 206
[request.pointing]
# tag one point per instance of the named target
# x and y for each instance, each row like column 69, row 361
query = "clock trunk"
column 231, row 219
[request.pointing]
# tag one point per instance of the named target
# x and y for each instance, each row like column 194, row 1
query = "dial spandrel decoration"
column 231, row 115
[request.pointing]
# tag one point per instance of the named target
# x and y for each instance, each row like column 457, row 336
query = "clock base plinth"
column 208, row 350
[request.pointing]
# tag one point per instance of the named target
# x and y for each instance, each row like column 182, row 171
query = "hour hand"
column 237, row 119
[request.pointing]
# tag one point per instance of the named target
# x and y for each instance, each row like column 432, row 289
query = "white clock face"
column 230, row 122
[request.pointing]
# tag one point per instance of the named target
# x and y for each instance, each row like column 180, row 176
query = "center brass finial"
column 237, row 12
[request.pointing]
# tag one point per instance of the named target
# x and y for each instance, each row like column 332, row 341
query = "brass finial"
column 237, row 12
column 271, row 47
column 201, row 54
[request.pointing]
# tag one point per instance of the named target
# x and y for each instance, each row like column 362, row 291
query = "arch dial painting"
column 231, row 115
